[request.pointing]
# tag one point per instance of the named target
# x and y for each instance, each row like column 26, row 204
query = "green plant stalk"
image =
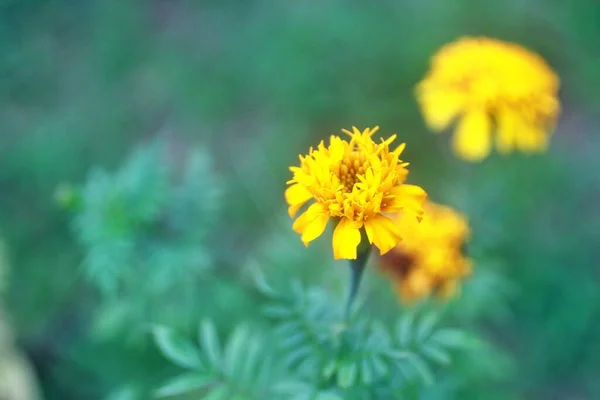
column 357, row 268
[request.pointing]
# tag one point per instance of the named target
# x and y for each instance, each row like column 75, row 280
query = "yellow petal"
column 346, row 239
column 406, row 197
column 439, row 107
column 314, row 228
column 532, row 139
column 506, row 138
column 382, row 232
column 472, row 139
column 296, row 195
column 305, row 219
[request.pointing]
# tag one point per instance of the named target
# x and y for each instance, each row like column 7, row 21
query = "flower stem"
column 356, row 270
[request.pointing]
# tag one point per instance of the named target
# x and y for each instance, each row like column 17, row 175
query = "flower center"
column 352, row 165
column 397, row 263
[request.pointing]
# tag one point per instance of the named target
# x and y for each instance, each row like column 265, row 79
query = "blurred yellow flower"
column 490, row 84
column 358, row 183
column 430, row 258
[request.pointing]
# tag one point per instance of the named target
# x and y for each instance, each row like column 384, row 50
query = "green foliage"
column 146, row 216
column 318, row 355
column 240, row 369
column 84, row 81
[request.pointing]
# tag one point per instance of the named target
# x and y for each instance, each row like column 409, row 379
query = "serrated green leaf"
column 346, row 376
column 124, row 393
column 210, row 343
column 277, row 311
column 176, row 349
column 293, row 340
column 451, row 338
column 404, row 330
column 253, row 351
column 297, row 354
column 293, row 387
column 328, row 396
column 218, row 393
column 379, row 367
column 265, row 372
column 298, row 292
column 260, row 281
column 183, row 384
column 288, row 328
column 435, row 354
column 426, row 326
column 422, row 368
column 367, row 373
column 329, row 369
column 309, row 364
column 405, row 368
column 234, row 350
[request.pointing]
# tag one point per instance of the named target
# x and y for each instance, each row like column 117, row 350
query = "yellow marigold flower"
column 357, row 183
column 430, row 258
column 490, row 85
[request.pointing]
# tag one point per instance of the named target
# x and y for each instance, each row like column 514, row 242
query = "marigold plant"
column 358, row 183
column 490, row 85
column 430, row 258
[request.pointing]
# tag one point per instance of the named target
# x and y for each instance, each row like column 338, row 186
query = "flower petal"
column 507, row 136
column 346, row 238
column 382, row 232
column 296, row 195
column 532, row 139
column 472, row 140
column 315, row 228
column 406, row 197
column 305, row 219
column 439, row 107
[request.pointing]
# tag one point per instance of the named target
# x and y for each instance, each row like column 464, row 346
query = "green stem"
column 356, row 270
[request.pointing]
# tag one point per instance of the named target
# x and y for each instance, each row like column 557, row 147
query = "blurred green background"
column 251, row 84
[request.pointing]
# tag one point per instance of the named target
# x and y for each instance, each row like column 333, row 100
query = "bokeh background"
column 240, row 88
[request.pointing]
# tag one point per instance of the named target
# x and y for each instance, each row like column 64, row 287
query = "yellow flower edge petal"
column 346, row 238
column 472, row 139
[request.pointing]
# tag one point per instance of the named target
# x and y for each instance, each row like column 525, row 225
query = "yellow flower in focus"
column 430, row 258
column 490, row 85
column 358, row 183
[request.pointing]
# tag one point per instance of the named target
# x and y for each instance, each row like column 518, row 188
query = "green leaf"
column 452, row 338
column 218, row 393
column 294, row 388
column 347, row 375
column 210, row 343
column 183, row 384
column 436, row 354
column 379, row 366
column 366, row 372
column 265, row 373
column 253, row 352
column 329, row 369
column 298, row 354
column 426, row 326
column 422, row 368
column 176, row 349
column 294, row 340
column 288, row 328
column 403, row 330
column 277, row 311
column 328, row 396
column 234, row 350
